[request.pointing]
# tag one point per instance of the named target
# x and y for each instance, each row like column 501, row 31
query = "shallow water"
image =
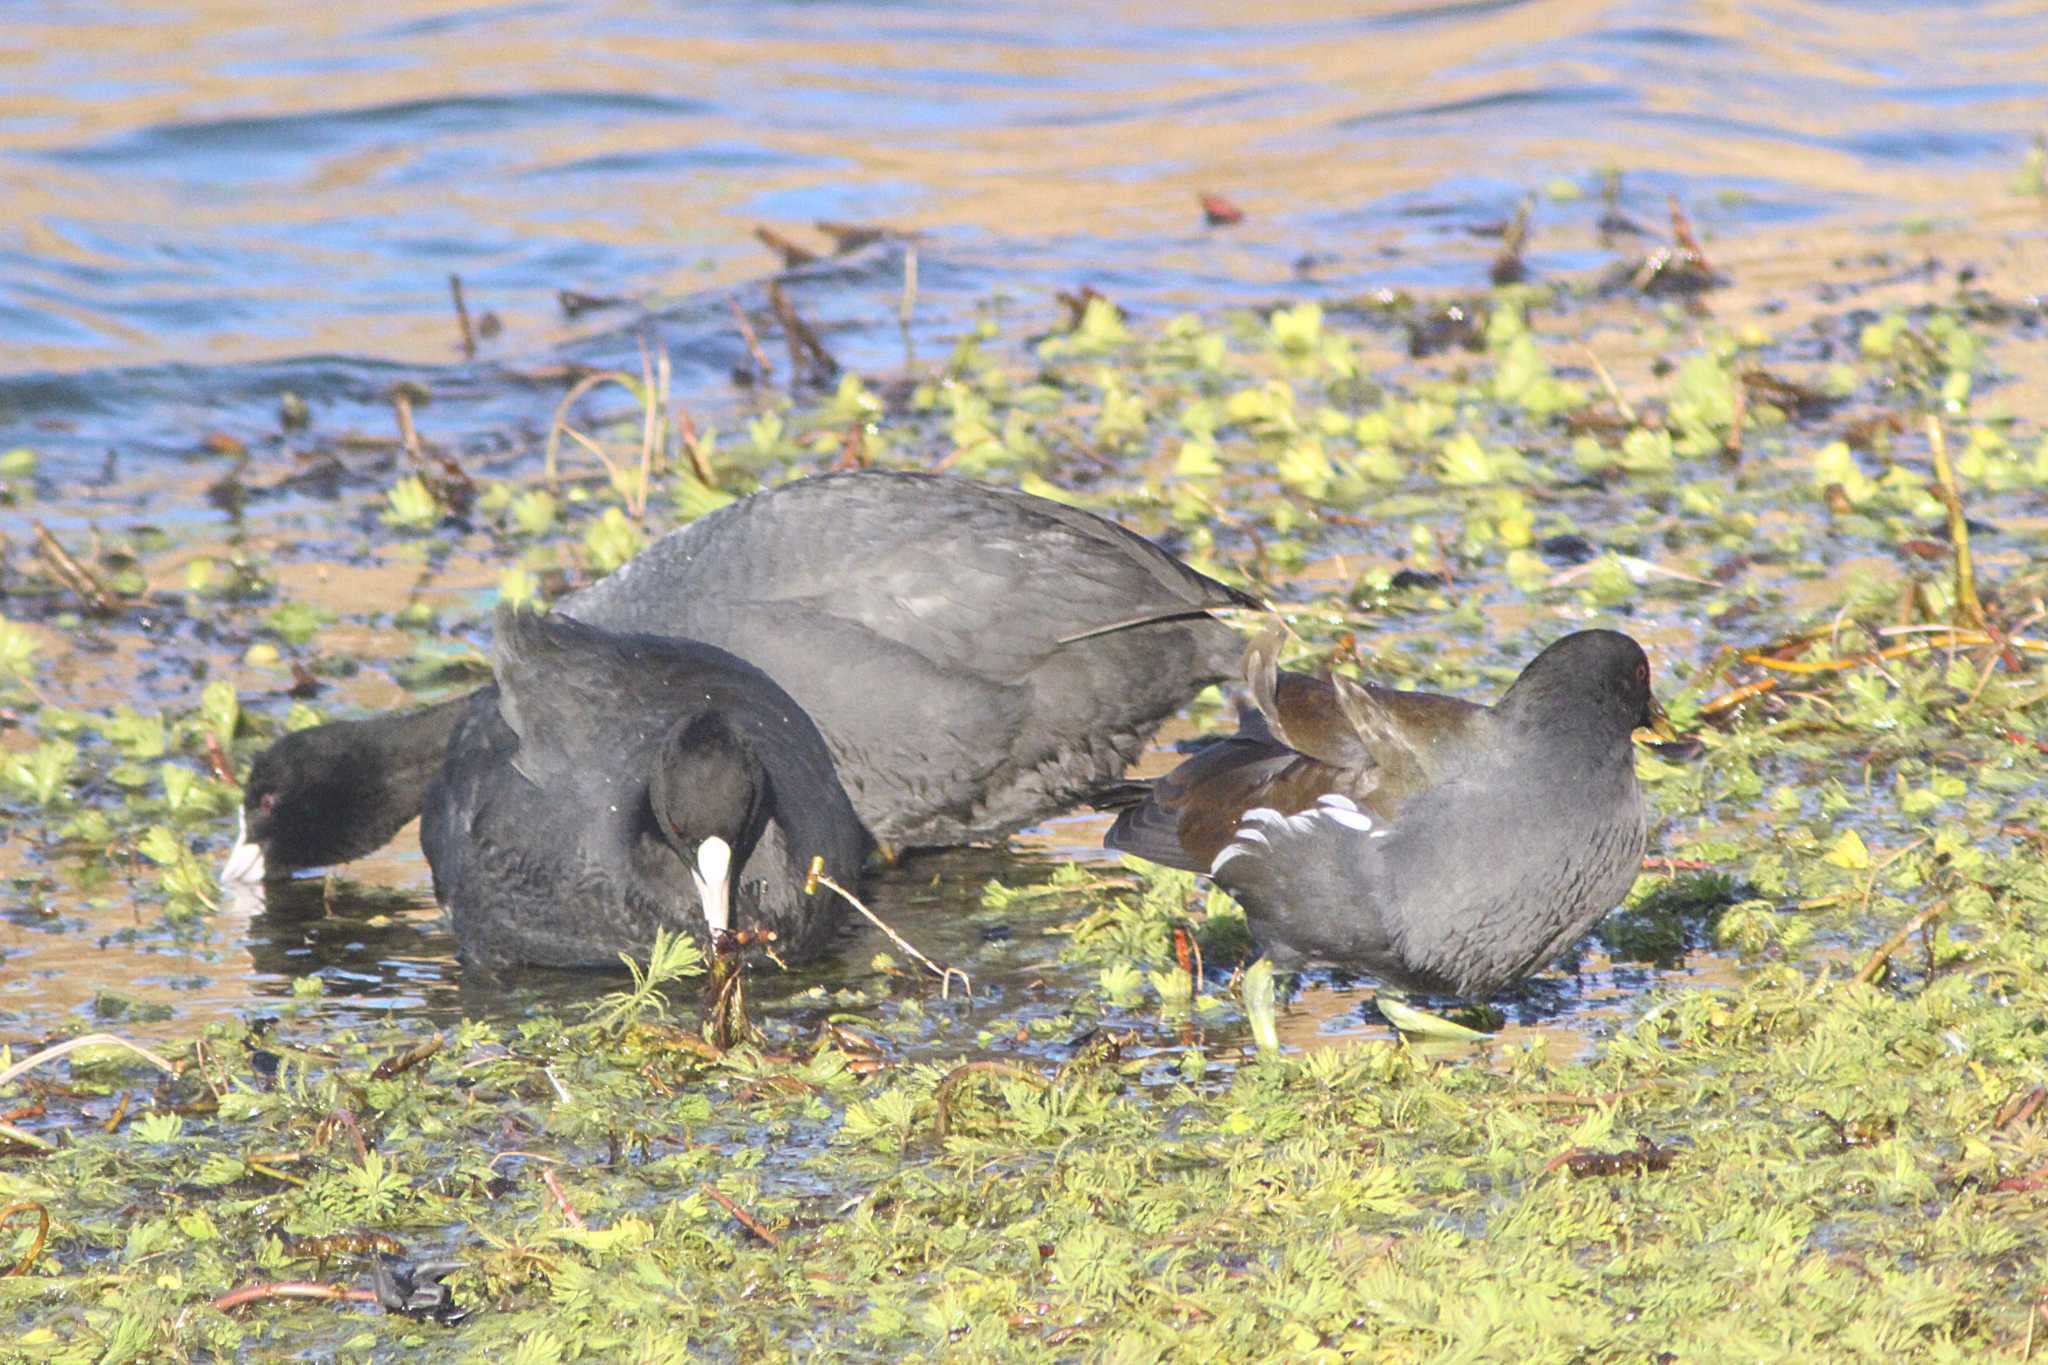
column 212, row 203
column 218, row 204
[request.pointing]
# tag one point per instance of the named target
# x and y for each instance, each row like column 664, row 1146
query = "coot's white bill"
column 244, row 865
column 712, row 875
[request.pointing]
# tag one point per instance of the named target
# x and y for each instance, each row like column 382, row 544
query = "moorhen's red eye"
column 1642, row 673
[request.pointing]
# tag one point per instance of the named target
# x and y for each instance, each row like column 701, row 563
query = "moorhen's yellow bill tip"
column 1660, row 724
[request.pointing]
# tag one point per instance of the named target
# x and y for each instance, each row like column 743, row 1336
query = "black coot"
column 977, row 659
column 614, row 784
column 1437, row 844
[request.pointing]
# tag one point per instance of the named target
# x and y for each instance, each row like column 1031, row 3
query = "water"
column 209, row 204
column 213, row 205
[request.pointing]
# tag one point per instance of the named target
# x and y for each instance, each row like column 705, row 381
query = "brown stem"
column 406, row 1060
column 293, row 1289
column 547, row 1175
column 1968, row 610
column 1869, row 970
column 74, row 575
column 462, row 318
column 942, row 1097
column 748, row 335
column 342, row 1118
column 746, row 1220
column 804, row 347
column 2020, row 1108
column 35, row 1248
column 818, row 878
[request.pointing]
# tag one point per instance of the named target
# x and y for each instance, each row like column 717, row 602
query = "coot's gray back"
column 976, row 657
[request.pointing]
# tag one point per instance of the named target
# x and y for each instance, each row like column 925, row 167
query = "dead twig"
column 1582, row 1101
column 1867, row 973
column 23, row 1137
column 547, row 1175
column 849, row 237
column 293, row 1289
column 56, row 1050
column 1614, row 394
column 2020, row 1108
column 342, row 1118
column 818, row 878
column 462, row 318
column 217, row 759
column 452, row 477
column 35, row 1248
column 805, row 350
column 1949, row 638
column 793, row 254
column 406, row 1060
column 942, row 1097
column 693, row 446
column 748, row 335
column 1969, row 612
column 1509, row 266
column 408, row 433
column 653, row 405
column 746, row 1220
column 73, row 574
column 560, row 424
column 907, row 305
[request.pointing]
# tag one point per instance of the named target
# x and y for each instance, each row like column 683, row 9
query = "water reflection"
column 243, row 185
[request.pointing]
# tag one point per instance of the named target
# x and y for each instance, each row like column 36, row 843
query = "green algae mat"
column 1786, row 1103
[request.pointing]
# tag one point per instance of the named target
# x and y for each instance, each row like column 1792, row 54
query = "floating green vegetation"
column 1819, row 1099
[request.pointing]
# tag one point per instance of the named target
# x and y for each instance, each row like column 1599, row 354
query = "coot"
column 1437, row 844
column 977, row 659
column 613, row 784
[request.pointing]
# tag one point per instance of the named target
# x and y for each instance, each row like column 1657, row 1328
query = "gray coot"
column 1437, row 844
column 614, row 784
column 977, row 659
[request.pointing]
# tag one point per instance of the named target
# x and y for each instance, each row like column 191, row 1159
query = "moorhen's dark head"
column 1592, row 686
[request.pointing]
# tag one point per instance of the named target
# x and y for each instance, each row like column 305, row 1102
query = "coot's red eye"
column 268, row 803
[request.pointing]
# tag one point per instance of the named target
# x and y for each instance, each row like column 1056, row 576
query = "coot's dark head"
column 324, row 795
column 710, row 799
column 300, row 806
column 1593, row 683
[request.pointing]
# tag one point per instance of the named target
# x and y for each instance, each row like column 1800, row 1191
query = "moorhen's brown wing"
column 1313, row 736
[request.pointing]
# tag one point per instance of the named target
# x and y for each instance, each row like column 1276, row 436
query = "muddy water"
column 212, row 204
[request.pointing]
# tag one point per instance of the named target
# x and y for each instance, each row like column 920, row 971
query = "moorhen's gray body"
column 1437, row 844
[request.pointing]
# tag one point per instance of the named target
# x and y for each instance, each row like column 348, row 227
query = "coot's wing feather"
column 478, row 746
column 571, row 693
column 971, row 577
column 920, row 620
